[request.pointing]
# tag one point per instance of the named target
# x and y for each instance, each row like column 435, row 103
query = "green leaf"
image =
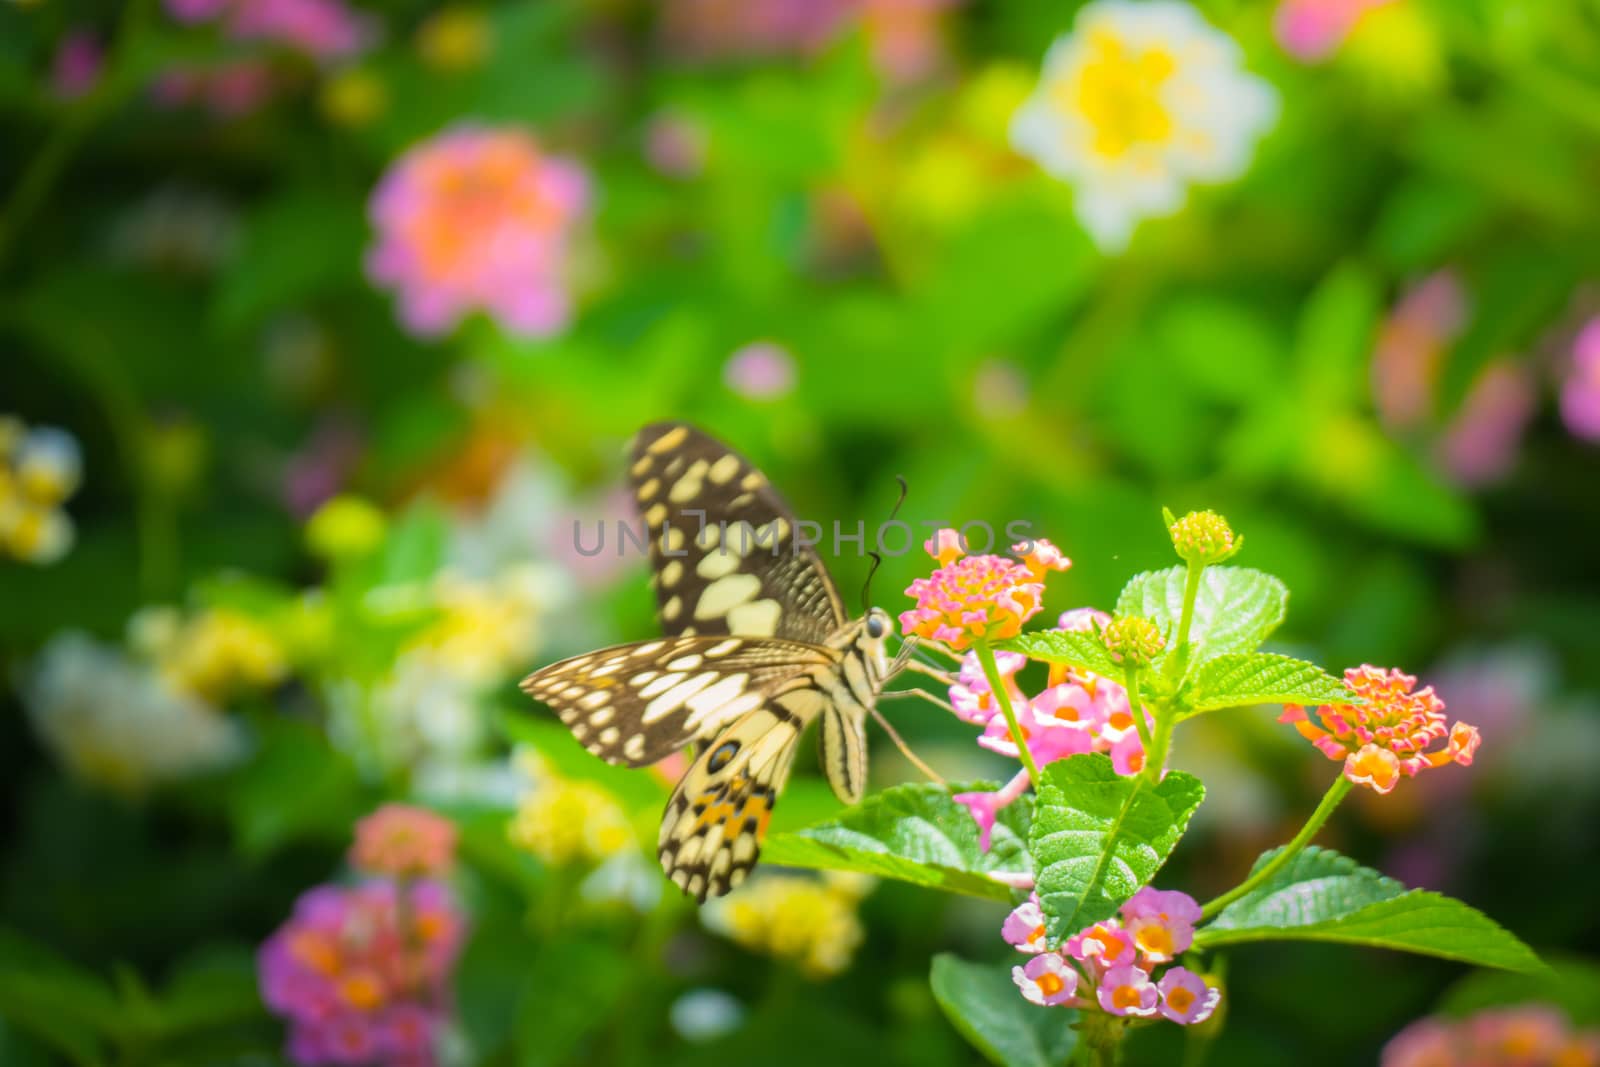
column 1238, row 678
column 1234, row 610
column 982, row 1002
column 62, row 1005
column 572, row 988
column 1085, row 651
column 1323, row 896
column 913, row 833
column 1098, row 836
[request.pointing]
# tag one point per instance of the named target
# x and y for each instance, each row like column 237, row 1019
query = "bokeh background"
column 322, row 323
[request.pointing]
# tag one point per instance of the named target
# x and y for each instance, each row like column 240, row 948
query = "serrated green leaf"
column 1238, row 678
column 983, row 1003
column 1098, row 836
column 1085, row 651
column 913, row 833
column 1324, row 896
column 1235, row 609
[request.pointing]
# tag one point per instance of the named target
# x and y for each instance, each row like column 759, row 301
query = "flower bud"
column 1133, row 640
column 1203, row 537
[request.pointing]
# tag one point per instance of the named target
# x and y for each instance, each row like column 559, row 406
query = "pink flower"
column 1185, row 997
column 228, row 90
column 973, row 697
column 77, row 65
column 1580, row 392
column 1104, row 946
column 403, row 841
column 1083, row 620
column 1411, row 346
column 1024, row 929
column 1481, row 443
column 478, row 218
column 324, row 29
column 1041, row 557
column 972, row 597
column 359, row 977
column 675, row 146
column 1161, row 923
column 760, row 371
column 1047, row 740
column 1311, row 30
column 986, row 806
column 1126, row 990
column 1167, row 905
column 1390, row 734
column 1047, row 979
column 1127, row 755
column 1525, row 1035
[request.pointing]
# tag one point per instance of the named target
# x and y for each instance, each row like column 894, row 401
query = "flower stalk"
column 1330, row 800
column 1002, row 696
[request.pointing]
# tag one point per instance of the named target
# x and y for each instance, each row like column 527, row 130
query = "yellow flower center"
column 1118, row 93
column 1125, row 996
column 1050, row 984
column 1179, row 999
column 1155, row 940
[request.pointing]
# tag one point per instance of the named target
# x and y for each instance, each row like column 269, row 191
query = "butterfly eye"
column 876, row 627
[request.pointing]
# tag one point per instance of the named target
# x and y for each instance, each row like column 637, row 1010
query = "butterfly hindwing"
column 636, row 704
column 723, row 544
column 716, row 820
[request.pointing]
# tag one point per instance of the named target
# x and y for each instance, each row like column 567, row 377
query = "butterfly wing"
column 636, row 704
column 716, row 819
column 723, row 544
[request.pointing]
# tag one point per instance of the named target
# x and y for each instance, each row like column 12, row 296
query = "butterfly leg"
column 899, row 742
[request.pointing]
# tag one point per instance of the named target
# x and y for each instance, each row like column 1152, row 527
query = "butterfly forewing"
column 723, row 543
column 636, row 704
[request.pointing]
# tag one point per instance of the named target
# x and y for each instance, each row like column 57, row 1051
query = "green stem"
column 1330, row 800
column 1130, row 682
column 991, row 671
column 1178, row 660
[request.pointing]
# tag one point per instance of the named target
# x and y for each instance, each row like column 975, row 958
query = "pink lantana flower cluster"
column 1112, row 966
column 1527, row 1035
column 1076, row 712
column 362, row 972
column 1390, row 734
column 983, row 597
column 404, row 842
column 478, row 219
column 324, row 29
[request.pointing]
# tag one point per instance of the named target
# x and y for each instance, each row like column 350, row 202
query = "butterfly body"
column 757, row 646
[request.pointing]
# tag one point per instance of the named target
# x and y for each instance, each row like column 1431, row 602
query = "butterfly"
column 756, row 645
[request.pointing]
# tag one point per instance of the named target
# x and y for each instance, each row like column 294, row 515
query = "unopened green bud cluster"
column 1203, row 537
column 1133, row 640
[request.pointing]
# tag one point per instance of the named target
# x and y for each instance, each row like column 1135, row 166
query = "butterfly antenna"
column 877, row 560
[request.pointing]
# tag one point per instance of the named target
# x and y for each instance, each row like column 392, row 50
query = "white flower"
column 119, row 724
column 1139, row 101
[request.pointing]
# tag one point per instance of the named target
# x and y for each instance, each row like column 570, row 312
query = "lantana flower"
column 1185, row 997
column 1392, row 734
column 1523, row 1035
column 1077, row 711
column 1047, row 979
column 1137, row 102
column 978, row 597
column 1312, row 30
column 1580, row 392
column 478, row 218
column 1024, row 929
column 404, row 841
column 1127, row 990
column 360, row 977
column 1123, row 961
